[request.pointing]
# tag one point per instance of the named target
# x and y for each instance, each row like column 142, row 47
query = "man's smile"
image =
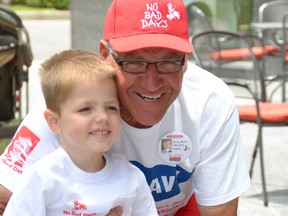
column 149, row 97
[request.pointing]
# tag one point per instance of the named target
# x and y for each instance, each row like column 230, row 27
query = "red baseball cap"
column 137, row 24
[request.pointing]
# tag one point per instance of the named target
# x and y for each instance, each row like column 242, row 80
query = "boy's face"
column 166, row 144
column 90, row 117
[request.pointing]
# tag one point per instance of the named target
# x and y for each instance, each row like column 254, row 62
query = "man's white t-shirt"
column 205, row 156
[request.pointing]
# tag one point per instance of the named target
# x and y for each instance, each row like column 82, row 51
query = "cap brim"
column 135, row 42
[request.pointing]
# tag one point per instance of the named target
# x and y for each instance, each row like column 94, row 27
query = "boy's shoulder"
column 119, row 161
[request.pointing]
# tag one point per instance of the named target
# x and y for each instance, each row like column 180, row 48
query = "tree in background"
column 59, row 4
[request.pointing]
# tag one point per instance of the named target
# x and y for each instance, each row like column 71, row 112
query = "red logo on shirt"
column 19, row 149
column 79, row 209
column 78, row 205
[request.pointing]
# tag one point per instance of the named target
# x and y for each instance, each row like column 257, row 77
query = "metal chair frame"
column 254, row 85
column 203, row 23
column 274, row 11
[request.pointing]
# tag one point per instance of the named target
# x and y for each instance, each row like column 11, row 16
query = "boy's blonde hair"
column 65, row 70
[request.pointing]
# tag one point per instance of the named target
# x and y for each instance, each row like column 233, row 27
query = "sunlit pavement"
column 275, row 158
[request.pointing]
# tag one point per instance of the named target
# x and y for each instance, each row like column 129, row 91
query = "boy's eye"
column 84, row 109
column 113, row 108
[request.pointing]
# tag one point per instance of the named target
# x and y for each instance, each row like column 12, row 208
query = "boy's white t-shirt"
column 205, row 156
column 55, row 186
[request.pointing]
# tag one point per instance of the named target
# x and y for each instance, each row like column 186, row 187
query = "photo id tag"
column 174, row 147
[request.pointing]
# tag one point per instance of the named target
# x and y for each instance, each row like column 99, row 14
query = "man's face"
column 146, row 97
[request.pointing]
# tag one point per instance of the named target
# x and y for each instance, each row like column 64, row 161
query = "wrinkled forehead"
column 153, row 52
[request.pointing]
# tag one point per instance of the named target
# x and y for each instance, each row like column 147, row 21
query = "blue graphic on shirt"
column 164, row 180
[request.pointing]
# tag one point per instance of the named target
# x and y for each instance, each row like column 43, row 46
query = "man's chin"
column 146, row 121
column 142, row 118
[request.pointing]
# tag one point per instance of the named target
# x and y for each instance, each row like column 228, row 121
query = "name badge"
column 174, row 147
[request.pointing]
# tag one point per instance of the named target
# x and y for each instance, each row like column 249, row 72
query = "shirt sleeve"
column 221, row 173
column 32, row 141
column 144, row 204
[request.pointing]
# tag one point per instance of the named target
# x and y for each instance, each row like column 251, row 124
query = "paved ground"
column 47, row 37
column 275, row 153
column 44, row 43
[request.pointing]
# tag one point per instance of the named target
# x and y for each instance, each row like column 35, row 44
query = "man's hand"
column 117, row 211
column 5, row 195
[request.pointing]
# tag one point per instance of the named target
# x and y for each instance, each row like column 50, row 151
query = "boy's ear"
column 53, row 121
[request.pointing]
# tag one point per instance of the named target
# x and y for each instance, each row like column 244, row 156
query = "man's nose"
column 152, row 78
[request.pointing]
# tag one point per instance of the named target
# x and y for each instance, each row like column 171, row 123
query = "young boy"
column 78, row 179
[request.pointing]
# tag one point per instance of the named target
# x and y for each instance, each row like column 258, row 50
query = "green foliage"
column 59, row 4
column 3, row 144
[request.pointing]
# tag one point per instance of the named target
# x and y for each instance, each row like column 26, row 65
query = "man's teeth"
column 150, row 98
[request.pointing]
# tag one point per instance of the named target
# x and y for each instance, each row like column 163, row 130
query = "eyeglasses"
column 138, row 67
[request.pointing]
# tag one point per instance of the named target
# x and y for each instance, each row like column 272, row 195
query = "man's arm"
column 5, row 195
column 117, row 211
column 227, row 209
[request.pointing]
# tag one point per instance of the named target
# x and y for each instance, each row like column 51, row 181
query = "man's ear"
column 103, row 49
column 186, row 62
column 52, row 120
